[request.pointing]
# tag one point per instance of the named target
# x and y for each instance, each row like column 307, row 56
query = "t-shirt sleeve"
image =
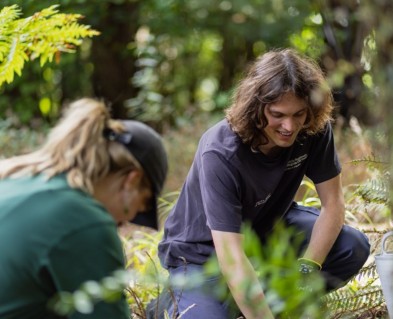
column 324, row 163
column 91, row 253
column 220, row 193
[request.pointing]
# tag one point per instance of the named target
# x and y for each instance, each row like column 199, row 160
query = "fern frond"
column 369, row 271
column 371, row 160
column 7, row 15
column 14, row 62
column 43, row 35
column 374, row 191
column 352, row 304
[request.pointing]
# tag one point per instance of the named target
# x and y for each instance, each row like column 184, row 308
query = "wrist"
column 307, row 265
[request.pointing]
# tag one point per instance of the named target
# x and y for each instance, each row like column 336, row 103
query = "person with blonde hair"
column 248, row 168
column 61, row 204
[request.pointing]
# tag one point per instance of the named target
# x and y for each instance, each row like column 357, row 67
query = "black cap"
column 146, row 146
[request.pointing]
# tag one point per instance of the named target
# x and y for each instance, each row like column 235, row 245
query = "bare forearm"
column 240, row 275
column 246, row 290
column 325, row 232
column 330, row 221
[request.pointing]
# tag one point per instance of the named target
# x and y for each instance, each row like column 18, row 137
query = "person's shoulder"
column 220, row 138
column 33, row 184
column 220, row 128
column 80, row 206
column 221, row 141
column 55, row 199
column 325, row 132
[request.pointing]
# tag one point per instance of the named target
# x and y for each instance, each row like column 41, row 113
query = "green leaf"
column 42, row 35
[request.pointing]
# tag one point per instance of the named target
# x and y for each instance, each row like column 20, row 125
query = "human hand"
column 307, row 267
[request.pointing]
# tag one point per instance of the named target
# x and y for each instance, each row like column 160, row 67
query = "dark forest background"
column 165, row 61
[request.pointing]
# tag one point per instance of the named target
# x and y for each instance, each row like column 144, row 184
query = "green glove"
column 307, row 266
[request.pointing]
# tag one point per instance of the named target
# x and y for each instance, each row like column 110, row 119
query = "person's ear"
column 132, row 180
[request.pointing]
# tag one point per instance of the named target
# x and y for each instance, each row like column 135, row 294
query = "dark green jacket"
column 53, row 238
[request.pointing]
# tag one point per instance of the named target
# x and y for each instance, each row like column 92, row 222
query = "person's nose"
column 289, row 124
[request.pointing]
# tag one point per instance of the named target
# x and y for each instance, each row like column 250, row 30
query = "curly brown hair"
column 272, row 75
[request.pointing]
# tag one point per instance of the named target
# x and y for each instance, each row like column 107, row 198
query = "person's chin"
column 284, row 144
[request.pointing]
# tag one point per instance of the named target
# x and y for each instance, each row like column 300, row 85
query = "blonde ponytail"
column 77, row 147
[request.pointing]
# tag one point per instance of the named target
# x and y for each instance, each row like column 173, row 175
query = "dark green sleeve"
column 89, row 254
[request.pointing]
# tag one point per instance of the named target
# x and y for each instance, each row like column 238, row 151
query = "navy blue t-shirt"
column 229, row 183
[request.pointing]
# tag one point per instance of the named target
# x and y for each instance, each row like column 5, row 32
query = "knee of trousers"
column 347, row 257
column 355, row 246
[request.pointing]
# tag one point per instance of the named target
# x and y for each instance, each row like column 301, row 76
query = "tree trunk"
column 114, row 64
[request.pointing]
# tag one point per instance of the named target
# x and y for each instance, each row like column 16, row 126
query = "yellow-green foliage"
column 43, row 35
column 148, row 276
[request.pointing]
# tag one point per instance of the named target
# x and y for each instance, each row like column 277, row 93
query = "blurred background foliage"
column 166, row 61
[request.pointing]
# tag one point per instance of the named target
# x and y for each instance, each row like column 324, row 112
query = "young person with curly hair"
column 248, row 168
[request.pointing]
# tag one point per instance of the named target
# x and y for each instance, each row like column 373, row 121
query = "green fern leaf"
column 374, row 191
column 7, row 15
column 42, row 36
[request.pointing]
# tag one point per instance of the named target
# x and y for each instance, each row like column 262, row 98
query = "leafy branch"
column 43, row 35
